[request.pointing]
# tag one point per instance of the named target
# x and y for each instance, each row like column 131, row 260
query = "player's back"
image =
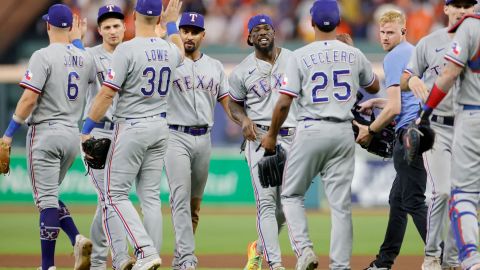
column 465, row 52
column 141, row 71
column 330, row 74
column 60, row 73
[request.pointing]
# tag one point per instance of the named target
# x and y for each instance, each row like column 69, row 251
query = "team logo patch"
column 28, row 75
column 110, row 74
column 456, row 49
column 285, row 81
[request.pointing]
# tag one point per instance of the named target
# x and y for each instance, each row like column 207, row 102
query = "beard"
column 266, row 49
column 190, row 48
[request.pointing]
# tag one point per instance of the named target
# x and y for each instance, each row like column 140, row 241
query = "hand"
column 7, row 140
column 84, row 137
column 366, row 107
column 83, row 27
column 364, row 137
column 248, row 129
column 171, row 13
column 418, row 88
column 269, row 142
column 160, row 30
column 76, row 31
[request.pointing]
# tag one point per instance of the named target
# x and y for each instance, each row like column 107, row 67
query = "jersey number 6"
column 72, row 88
column 163, row 81
column 342, row 90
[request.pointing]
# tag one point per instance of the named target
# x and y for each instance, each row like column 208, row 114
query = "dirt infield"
column 215, row 261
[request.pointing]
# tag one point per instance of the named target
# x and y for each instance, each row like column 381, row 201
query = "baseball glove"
column 382, row 142
column 4, row 157
column 270, row 168
column 96, row 151
column 417, row 139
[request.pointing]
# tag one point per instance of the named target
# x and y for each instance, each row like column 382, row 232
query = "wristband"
column 435, row 97
column 78, row 43
column 172, row 28
column 13, row 126
column 88, row 125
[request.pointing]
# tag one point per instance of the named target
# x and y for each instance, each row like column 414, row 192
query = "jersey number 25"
column 341, row 89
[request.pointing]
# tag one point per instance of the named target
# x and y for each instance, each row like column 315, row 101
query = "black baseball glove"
column 96, row 151
column 417, row 139
column 270, row 168
column 382, row 142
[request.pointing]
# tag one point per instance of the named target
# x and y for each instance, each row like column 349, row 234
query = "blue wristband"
column 172, row 28
column 78, row 43
column 13, row 126
column 88, row 125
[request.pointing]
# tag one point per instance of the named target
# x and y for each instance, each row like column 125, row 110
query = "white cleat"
column 307, row 261
column 148, row 263
column 82, row 252
column 431, row 263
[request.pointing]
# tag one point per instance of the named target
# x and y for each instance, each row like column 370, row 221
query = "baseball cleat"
column 82, row 251
column 128, row 264
column 188, row 266
column 254, row 259
column 372, row 266
column 307, row 261
column 50, row 268
column 431, row 263
column 149, row 263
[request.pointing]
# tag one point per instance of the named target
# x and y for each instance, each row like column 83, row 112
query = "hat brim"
column 474, row 2
column 191, row 25
column 45, row 17
column 108, row 15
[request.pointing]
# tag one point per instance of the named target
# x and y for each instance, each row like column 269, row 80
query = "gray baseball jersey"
column 103, row 61
column 99, row 232
column 60, row 73
column 256, row 83
column 195, row 89
column 464, row 52
column 325, row 75
column 141, row 72
column 427, row 62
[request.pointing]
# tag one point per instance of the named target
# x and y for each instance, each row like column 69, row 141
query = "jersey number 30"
column 341, row 89
column 163, row 81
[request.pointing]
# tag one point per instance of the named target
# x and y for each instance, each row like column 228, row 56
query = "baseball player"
column 325, row 76
column 196, row 87
column 426, row 63
column 141, row 71
column 407, row 195
column 112, row 28
column 254, row 86
column 53, row 103
column 463, row 59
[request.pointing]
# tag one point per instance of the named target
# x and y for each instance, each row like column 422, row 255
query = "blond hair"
column 392, row 16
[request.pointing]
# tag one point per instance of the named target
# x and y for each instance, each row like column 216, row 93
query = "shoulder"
column 401, row 51
column 471, row 19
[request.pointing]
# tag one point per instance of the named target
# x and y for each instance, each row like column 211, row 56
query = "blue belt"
column 163, row 115
column 192, row 130
column 107, row 125
column 471, row 107
column 283, row 131
column 328, row 119
column 444, row 120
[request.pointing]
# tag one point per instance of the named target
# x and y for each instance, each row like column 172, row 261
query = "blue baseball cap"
column 448, row 2
column 325, row 14
column 109, row 11
column 149, row 7
column 59, row 15
column 192, row 19
column 257, row 20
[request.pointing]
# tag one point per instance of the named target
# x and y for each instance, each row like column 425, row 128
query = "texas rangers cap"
column 59, row 15
column 109, row 11
column 149, row 7
column 325, row 14
column 448, row 2
column 192, row 19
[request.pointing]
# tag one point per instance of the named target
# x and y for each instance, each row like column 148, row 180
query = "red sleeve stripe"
column 222, row 96
column 30, row 87
column 235, row 99
column 111, row 86
column 288, row 93
column 455, row 61
column 408, row 71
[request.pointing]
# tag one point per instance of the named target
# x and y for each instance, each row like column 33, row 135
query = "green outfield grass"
column 216, row 234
